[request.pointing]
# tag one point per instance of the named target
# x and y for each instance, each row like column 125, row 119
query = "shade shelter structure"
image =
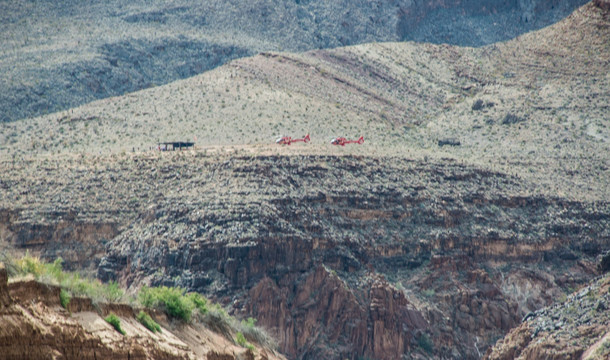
column 175, row 145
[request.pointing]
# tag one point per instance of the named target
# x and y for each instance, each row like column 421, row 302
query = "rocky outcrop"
column 80, row 243
column 375, row 320
column 576, row 328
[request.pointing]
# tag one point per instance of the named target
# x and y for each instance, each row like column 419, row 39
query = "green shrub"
column 114, row 320
column 54, row 270
column 199, row 302
column 241, row 341
column 92, row 288
column 30, row 265
column 173, row 301
column 425, row 343
column 250, row 323
column 148, row 322
column 112, row 292
column 170, row 299
column 64, row 298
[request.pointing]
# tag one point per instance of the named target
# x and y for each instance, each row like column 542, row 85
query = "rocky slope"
column 34, row 325
column 576, row 328
column 479, row 195
column 338, row 256
column 57, row 56
column 330, row 244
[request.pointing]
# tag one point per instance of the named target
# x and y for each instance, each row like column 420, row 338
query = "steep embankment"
column 33, row 325
column 55, row 56
column 576, row 328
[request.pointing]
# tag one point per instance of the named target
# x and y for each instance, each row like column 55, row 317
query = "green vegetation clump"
column 64, row 298
column 241, row 341
column 114, row 320
column 199, row 301
column 173, row 300
column 169, row 299
column 71, row 282
column 425, row 343
column 148, row 322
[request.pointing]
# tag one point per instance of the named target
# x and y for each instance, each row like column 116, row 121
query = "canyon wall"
column 329, row 245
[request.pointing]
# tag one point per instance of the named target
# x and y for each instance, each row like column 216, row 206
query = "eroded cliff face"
column 338, row 256
column 575, row 328
column 376, row 317
column 33, row 325
column 58, row 234
column 354, row 256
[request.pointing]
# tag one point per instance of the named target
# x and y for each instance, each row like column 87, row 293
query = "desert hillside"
column 55, row 56
column 536, row 106
column 479, row 195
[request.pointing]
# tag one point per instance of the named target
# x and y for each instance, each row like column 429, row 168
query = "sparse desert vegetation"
column 56, row 56
column 479, row 195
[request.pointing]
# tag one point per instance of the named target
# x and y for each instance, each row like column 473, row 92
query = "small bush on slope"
column 148, row 322
column 64, row 298
column 114, row 320
column 170, row 299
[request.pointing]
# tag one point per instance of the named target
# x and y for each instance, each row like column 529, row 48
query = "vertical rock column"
column 5, row 299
